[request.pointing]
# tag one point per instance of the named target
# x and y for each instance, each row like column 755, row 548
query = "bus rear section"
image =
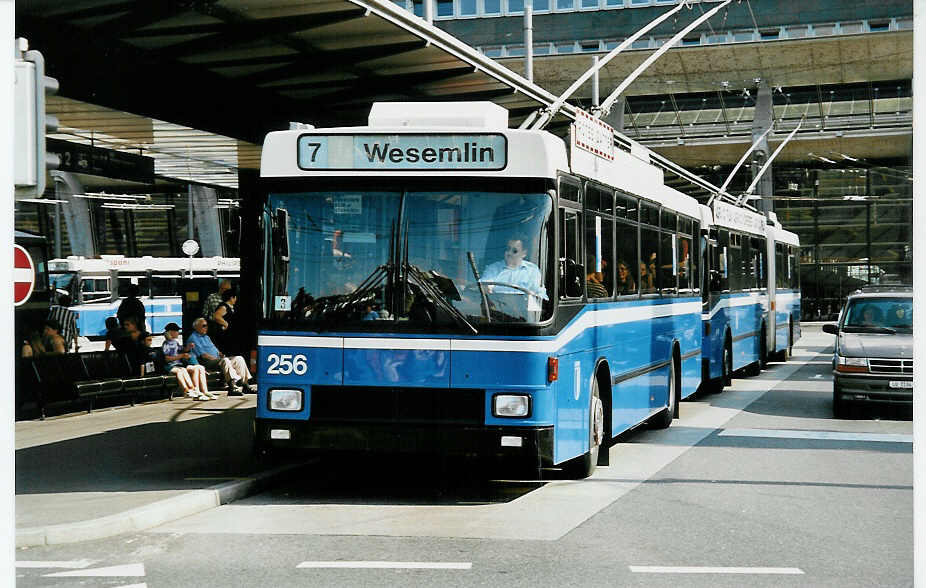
column 736, row 310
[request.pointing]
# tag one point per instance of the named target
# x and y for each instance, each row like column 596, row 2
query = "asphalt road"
column 756, row 486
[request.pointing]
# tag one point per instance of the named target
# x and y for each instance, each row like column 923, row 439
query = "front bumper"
column 495, row 443
column 872, row 388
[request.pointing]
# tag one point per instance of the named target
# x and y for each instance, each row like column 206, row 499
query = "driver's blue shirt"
column 526, row 275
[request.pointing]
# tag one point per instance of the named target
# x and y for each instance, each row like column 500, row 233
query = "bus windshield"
column 374, row 259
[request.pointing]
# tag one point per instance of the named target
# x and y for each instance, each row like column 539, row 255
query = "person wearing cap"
column 51, row 338
column 234, row 368
column 191, row 377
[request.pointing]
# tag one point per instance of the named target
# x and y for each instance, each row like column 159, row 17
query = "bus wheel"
column 584, row 465
column 664, row 418
column 726, row 376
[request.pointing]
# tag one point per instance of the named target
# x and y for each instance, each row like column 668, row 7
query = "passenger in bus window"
column 514, row 269
column 625, row 283
column 648, row 273
column 594, row 281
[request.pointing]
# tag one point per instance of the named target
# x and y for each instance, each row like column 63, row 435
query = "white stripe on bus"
column 587, row 320
column 748, row 300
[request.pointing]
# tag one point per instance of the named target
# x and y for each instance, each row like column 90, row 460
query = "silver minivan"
column 873, row 359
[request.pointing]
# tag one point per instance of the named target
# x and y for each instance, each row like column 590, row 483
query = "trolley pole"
column 529, row 40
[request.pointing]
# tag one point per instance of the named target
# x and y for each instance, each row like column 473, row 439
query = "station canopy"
column 198, row 83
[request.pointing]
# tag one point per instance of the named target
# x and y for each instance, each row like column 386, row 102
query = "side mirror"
column 831, row 328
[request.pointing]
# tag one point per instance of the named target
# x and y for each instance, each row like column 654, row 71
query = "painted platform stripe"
column 714, row 570
column 817, row 435
column 587, row 320
column 387, row 565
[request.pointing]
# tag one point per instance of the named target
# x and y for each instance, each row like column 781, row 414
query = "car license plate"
column 900, row 384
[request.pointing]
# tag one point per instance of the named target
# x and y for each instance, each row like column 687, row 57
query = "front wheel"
column 584, row 465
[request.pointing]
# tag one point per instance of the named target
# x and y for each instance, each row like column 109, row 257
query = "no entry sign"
column 23, row 275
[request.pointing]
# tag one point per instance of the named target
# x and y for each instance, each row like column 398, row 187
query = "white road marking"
column 142, row 585
column 818, row 435
column 78, row 563
column 135, row 569
column 712, row 570
column 384, row 565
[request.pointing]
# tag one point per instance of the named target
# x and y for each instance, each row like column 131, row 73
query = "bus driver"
column 515, row 270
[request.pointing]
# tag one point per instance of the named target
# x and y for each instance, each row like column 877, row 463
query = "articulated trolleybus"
column 438, row 282
column 751, row 293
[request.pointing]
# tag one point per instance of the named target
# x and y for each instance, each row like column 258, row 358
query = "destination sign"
column 736, row 217
column 402, row 152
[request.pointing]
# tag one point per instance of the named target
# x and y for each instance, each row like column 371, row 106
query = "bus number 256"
column 285, row 364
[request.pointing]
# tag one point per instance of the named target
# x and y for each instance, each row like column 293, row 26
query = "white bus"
column 96, row 287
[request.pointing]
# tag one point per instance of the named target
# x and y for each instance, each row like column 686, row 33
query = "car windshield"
column 880, row 313
column 336, row 258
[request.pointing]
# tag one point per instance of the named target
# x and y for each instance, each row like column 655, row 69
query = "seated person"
column 191, row 377
column 515, row 270
column 594, row 281
column 234, row 368
column 625, row 283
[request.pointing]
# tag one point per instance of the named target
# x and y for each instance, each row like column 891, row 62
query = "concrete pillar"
column 76, row 214
column 763, row 119
column 206, row 219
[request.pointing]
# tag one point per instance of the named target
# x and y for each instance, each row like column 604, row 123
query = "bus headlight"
column 511, row 405
column 285, row 399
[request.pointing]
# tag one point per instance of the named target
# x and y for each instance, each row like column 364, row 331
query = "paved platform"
column 89, row 476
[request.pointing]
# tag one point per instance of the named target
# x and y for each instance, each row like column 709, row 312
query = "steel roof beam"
column 334, row 61
column 247, row 31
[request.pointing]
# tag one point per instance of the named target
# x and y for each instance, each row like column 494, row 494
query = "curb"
column 154, row 514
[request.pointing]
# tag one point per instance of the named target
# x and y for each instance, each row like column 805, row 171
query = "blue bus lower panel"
column 739, row 317
column 528, row 445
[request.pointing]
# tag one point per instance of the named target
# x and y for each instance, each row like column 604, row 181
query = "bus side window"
column 598, row 263
column 572, row 274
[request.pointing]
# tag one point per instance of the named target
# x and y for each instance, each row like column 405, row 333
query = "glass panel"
column 668, row 268
column 893, row 313
column 515, row 6
column 589, row 3
column 565, row 4
column 628, row 269
column 492, row 6
column 686, row 281
column 467, row 7
column 649, row 278
column 569, row 254
column 541, row 5
column 341, row 255
column 668, row 219
column 649, row 214
column 444, row 7
column 598, row 262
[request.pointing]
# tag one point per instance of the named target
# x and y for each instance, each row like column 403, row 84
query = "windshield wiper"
column 434, row 295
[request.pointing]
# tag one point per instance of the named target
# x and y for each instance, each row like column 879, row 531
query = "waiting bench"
column 75, row 377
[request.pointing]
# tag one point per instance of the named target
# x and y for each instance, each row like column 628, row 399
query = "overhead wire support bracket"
column 605, row 107
column 739, row 164
column 755, row 180
column 547, row 114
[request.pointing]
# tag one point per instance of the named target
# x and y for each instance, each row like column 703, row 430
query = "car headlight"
column 851, row 364
column 511, row 405
column 286, row 399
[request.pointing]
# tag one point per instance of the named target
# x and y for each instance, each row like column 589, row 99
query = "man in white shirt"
column 515, row 270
